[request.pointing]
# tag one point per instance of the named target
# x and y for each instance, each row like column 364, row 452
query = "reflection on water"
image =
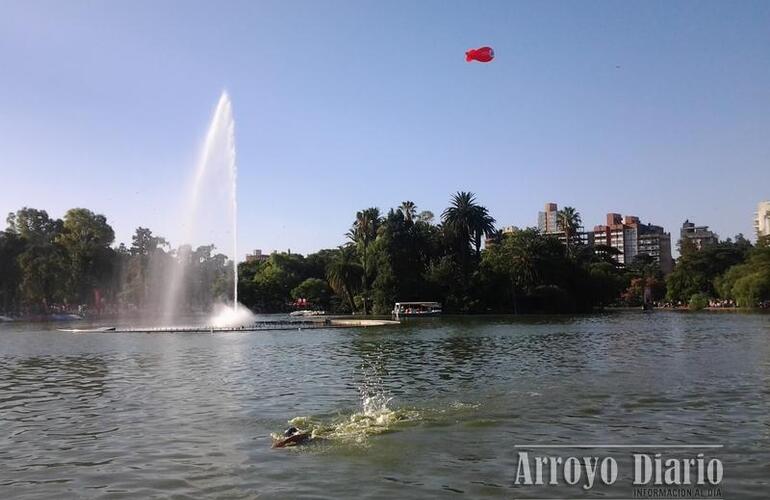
column 421, row 410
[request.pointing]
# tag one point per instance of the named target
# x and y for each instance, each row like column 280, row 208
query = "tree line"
column 49, row 265
column 733, row 270
column 404, row 255
column 401, row 255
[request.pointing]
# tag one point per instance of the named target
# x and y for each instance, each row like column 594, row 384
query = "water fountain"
column 217, row 160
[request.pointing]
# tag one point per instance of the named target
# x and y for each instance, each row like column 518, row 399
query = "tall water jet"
column 217, row 157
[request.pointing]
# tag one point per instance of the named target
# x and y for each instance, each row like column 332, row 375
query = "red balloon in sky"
column 483, row 54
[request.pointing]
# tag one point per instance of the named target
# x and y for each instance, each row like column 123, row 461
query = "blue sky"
column 658, row 109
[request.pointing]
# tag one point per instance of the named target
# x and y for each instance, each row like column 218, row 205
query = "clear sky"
column 658, row 109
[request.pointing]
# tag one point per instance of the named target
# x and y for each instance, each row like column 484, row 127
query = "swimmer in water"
column 292, row 437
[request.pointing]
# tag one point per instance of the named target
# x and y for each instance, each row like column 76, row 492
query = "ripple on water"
column 141, row 416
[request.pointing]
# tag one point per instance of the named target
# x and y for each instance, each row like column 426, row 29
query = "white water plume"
column 225, row 316
column 216, row 168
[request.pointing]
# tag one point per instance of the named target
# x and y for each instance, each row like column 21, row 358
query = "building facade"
column 548, row 223
column 257, row 256
column 700, row 236
column 547, row 220
column 762, row 219
column 631, row 238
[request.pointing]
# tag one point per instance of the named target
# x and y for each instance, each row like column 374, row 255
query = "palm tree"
column 568, row 220
column 344, row 274
column 468, row 221
column 409, row 209
column 363, row 233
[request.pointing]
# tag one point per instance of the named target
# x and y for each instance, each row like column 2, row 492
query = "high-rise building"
column 656, row 243
column 547, row 221
column 762, row 219
column 631, row 238
column 619, row 235
column 699, row 235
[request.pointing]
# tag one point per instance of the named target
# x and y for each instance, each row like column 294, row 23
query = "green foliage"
column 11, row 247
column 143, row 271
column 344, row 274
column 568, row 221
column 48, row 262
column 635, row 292
column 34, row 226
column 748, row 283
column 696, row 271
column 85, row 239
column 531, row 272
column 402, row 252
column 466, row 222
column 605, row 283
column 399, row 257
column 698, row 301
column 315, row 290
column 365, row 230
column 271, row 285
column 274, row 280
column 43, row 270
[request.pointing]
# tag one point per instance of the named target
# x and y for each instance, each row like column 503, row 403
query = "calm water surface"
column 113, row 415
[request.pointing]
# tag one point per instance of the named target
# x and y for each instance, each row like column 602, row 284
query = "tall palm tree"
column 363, row 233
column 468, row 221
column 568, row 220
column 409, row 209
column 344, row 274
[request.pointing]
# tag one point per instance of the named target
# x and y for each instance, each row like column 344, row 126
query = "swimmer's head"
column 290, row 431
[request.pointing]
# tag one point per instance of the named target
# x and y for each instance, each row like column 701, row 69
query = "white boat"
column 416, row 309
column 65, row 317
column 4, row 319
column 88, row 330
column 304, row 313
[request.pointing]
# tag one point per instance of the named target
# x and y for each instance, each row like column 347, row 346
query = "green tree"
column 695, row 272
column 402, row 253
column 11, row 247
column 40, row 260
column 34, row 226
column 467, row 222
column 86, row 238
column 409, row 209
column 568, row 221
column 316, row 291
column 363, row 233
column 274, row 280
column 344, row 274
column 43, row 269
column 748, row 283
column 143, row 269
column 698, row 301
column 536, row 273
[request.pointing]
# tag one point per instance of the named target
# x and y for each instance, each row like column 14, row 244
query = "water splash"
column 225, row 316
column 217, row 159
column 373, row 417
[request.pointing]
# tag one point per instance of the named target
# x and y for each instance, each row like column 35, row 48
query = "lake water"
column 431, row 408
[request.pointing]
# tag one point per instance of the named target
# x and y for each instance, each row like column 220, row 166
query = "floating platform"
column 300, row 324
